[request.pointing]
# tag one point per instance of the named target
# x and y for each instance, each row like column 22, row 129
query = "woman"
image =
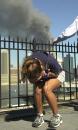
column 43, row 70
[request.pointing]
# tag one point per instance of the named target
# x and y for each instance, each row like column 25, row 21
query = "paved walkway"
column 21, row 122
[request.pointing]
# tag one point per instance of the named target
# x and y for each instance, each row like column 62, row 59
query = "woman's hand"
column 51, row 74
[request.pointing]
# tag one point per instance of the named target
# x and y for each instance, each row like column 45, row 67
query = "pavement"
column 22, row 120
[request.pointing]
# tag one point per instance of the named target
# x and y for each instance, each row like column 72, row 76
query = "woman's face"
column 33, row 73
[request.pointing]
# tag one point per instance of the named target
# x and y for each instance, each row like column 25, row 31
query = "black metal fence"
column 12, row 52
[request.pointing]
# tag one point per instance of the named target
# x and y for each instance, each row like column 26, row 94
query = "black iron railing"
column 12, row 53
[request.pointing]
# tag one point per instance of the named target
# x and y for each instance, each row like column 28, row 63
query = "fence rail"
column 12, row 53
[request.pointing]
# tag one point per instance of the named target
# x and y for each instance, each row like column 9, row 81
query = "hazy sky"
column 22, row 15
column 61, row 13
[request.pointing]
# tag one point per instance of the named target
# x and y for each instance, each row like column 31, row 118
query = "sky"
column 61, row 13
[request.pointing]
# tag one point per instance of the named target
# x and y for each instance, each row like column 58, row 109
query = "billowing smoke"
column 20, row 18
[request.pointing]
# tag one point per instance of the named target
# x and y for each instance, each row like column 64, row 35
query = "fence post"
column 0, row 71
column 77, row 45
column 34, row 45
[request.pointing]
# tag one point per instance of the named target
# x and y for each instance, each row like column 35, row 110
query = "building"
column 4, row 62
column 68, row 66
column 4, row 66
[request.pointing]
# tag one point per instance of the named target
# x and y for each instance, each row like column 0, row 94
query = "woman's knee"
column 38, row 91
column 46, row 90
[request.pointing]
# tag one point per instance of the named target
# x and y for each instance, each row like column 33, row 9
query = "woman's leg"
column 38, row 99
column 39, row 119
column 48, row 90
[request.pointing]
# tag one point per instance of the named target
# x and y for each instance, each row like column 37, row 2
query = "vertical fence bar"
column 0, row 71
column 75, row 68
column 26, row 53
column 77, row 45
column 18, row 71
column 56, row 50
column 69, row 69
column 63, row 67
column 9, row 74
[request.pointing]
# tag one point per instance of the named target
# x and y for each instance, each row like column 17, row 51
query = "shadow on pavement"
column 26, row 114
column 50, row 129
column 48, row 121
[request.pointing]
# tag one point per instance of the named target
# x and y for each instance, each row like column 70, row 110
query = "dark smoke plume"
column 20, row 18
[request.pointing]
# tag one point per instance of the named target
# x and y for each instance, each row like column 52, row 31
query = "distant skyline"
column 61, row 13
